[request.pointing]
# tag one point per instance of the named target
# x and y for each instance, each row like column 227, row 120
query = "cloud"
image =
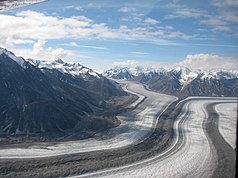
column 126, row 9
column 218, row 23
column 231, row 17
column 181, row 35
column 23, row 41
column 127, row 63
column 77, row 8
column 135, row 18
column 32, row 26
column 201, row 61
column 181, row 11
column 222, row 3
column 72, row 44
column 139, row 53
column 219, row 20
column 214, row 21
column 222, row 28
column 151, row 21
column 82, row 19
column 94, row 5
column 60, row 53
column 38, row 46
column 39, row 52
column 94, row 47
column 208, row 61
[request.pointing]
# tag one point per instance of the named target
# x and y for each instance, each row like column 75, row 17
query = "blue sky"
column 101, row 33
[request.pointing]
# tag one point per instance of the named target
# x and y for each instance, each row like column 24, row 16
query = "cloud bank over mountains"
column 101, row 34
column 192, row 61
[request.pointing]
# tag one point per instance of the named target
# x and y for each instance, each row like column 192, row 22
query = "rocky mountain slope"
column 43, row 100
column 182, row 81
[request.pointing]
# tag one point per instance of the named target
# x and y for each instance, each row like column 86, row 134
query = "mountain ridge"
column 39, row 101
column 182, row 81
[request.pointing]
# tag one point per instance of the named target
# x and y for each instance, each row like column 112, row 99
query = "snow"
column 122, row 73
column 187, row 76
column 133, row 71
column 196, row 157
column 93, row 74
column 220, row 74
column 227, row 122
column 19, row 60
column 208, row 76
column 184, row 74
column 70, row 68
column 135, row 125
column 138, row 101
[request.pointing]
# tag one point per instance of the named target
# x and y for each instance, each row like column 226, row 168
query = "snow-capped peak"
column 59, row 61
column 11, row 55
column 75, row 69
column 221, row 74
column 69, row 68
column 119, row 73
column 186, row 75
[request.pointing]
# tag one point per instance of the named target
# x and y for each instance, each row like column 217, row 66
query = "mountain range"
column 52, row 99
column 181, row 81
column 57, row 98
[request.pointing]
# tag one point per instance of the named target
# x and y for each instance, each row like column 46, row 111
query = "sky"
column 101, row 34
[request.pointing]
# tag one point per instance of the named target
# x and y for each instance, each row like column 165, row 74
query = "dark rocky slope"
column 46, row 102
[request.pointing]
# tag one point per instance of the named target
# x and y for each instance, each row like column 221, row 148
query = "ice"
column 196, row 157
column 134, row 126
column 227, row 122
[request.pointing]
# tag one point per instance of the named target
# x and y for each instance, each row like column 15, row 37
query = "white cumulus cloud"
column 29, row 26
column 60, row 53
column 38, row 47
column 40, row 52
column 208, row 61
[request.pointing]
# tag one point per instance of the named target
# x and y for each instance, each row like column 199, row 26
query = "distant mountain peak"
column 119, row 73
column 60, row 61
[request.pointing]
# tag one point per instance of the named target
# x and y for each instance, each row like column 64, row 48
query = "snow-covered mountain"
column 130, row 73
column 182, row 81
column 52, row 99
column 119, row 73
column 74, row 69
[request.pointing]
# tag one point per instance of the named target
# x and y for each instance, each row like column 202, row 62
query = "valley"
column 142, row 147
column 118, row 89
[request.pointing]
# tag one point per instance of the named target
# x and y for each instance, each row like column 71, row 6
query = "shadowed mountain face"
column 34, row 100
